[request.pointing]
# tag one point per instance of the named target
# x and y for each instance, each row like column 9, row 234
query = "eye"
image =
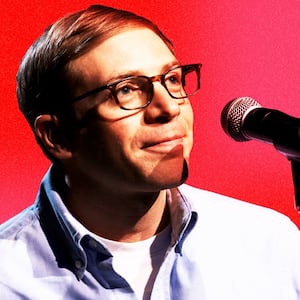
column 126, row 89
column 173, row 78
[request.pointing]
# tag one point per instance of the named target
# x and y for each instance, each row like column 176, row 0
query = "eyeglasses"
column 136, row 92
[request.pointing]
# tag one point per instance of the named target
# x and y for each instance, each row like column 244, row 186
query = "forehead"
column 133, row 50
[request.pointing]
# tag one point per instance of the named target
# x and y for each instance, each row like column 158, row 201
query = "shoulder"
column 233, row 237
column 19, row 225
column 238, row 226
column 214, row 207
column 18, row 238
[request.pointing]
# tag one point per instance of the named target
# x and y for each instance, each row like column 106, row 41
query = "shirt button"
column 78, row 264
column 93, row 244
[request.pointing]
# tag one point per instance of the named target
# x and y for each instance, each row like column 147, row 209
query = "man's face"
column 141, row 150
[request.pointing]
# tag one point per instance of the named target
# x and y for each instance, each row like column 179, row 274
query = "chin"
column 171, row 176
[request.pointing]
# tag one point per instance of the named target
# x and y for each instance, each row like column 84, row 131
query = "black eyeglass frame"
column 161, row 78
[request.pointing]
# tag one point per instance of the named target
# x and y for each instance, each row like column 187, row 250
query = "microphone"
column 244, row 119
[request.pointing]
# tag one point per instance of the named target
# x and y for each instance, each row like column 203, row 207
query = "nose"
column 163, row 107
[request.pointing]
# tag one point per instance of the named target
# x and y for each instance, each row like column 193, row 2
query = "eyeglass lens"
column 137, row 91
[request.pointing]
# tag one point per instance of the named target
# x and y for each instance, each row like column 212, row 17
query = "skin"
column 121, row 163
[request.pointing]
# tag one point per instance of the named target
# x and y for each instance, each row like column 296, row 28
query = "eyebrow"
column 124, row 75
column 129, row 73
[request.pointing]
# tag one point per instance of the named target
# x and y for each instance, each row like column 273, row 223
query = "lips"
column 165, row 144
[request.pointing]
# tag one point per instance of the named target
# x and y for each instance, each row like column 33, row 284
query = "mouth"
column 165, row 145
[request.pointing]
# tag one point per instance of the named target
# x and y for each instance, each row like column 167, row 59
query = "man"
column 107, row 100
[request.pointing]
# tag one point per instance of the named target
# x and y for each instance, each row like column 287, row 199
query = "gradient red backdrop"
column 247, row 48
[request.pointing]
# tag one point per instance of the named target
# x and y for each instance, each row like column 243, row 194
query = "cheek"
column 190, row 115
column 187, row 112
column 111, row 140
column 100, row 152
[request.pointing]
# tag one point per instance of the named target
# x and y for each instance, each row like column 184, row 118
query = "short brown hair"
column 43, row 79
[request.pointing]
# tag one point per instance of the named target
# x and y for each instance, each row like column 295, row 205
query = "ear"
column 49, row 130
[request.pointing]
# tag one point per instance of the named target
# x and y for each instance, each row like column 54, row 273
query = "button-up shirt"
column 220, row 249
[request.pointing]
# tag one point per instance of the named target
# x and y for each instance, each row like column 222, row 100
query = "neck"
column 117, row 215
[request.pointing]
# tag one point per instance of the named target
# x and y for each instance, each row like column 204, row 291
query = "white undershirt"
column 139, row 262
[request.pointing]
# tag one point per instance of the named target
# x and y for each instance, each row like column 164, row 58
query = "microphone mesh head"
column 233, row 114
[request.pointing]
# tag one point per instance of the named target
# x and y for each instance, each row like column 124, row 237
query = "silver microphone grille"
column 233, row 114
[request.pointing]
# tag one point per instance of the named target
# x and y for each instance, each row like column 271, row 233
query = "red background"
column 248, row 48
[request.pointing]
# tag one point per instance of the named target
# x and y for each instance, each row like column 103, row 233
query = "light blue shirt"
column 221, row 249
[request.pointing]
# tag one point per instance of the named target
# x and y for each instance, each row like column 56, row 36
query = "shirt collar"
column 52, row 193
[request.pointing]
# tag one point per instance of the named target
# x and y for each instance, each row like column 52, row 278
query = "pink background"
column 248, row 48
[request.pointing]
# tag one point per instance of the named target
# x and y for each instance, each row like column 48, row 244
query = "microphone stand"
column 295, row 163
